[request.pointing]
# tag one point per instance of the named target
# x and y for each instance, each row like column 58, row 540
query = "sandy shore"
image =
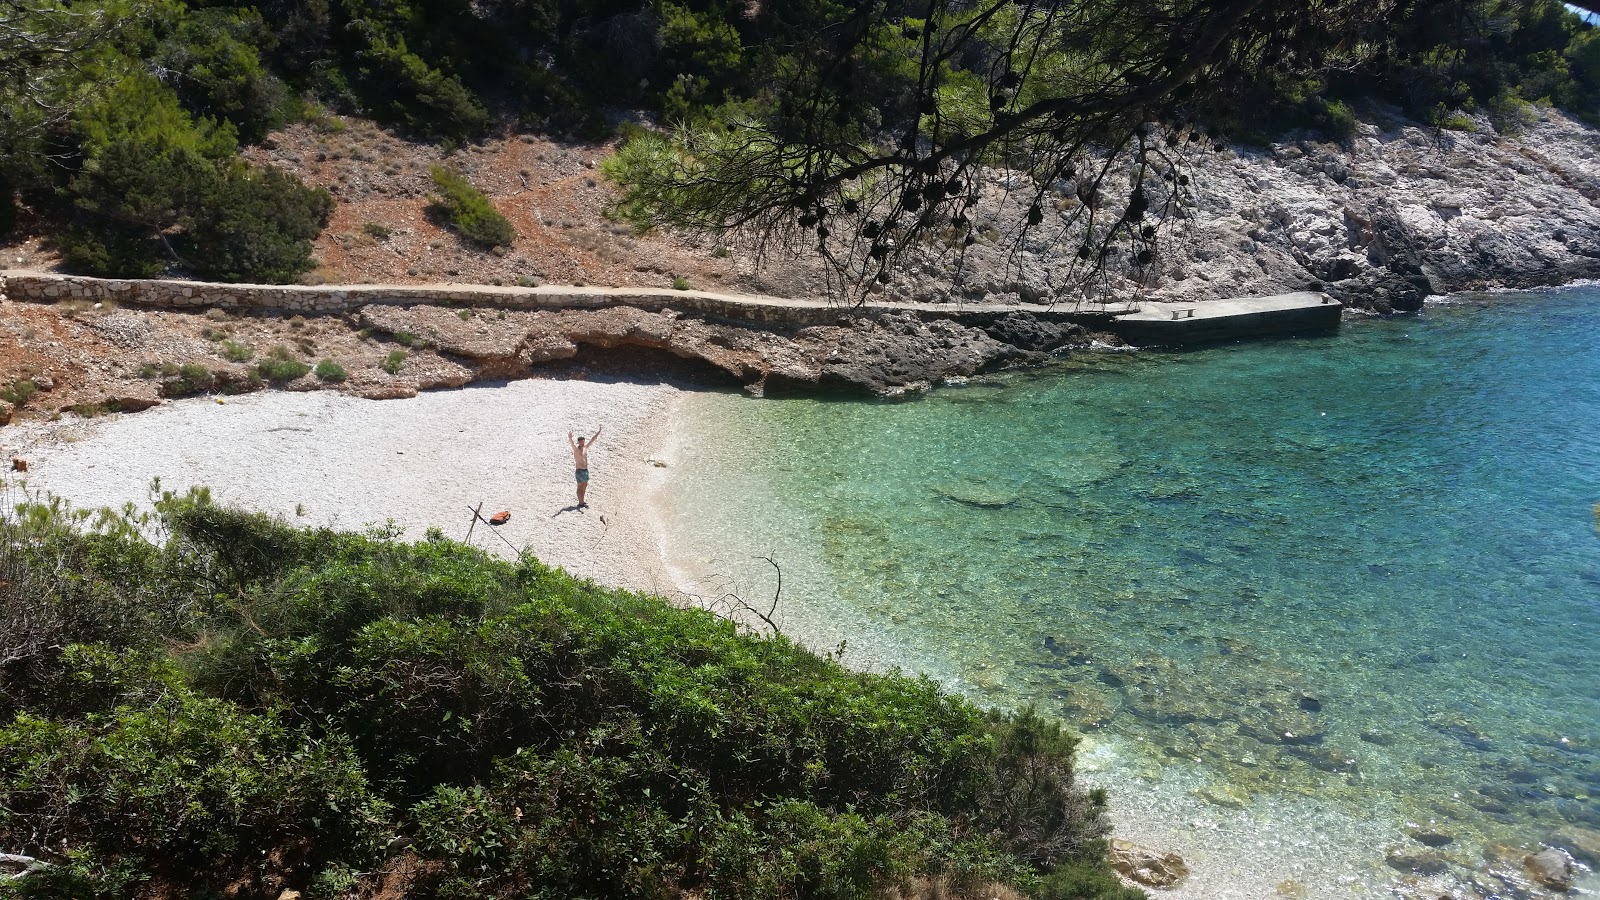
column 323, row 458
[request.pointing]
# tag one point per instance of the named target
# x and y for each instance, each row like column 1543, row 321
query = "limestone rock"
column 1582, row 843
column 1416, row 861
column 6, row 409
column 1551, row 868
column 973, row 492
column 128, row 402
column 387, row 392
column 1148, row 867
column 1226, row 796
column 1028, row 332
column 1428, row 837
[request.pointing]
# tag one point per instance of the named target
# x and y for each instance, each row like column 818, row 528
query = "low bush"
column 280, row 366
column 394, row 361
column 328, row 370
column 18, row 392
column 234, row 351
column 468, row 211
column 187, row 379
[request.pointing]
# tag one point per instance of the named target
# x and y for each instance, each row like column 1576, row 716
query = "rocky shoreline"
column 88, row 356
column 1382, row 220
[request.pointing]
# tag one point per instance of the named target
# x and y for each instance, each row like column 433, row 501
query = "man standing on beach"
column 580, row 458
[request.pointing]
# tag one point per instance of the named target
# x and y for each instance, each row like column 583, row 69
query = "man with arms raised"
column 580, row 458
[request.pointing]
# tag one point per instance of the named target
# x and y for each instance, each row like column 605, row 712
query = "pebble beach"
column 327, row 459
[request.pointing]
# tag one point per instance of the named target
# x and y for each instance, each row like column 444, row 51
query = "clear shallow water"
column 1355, row 578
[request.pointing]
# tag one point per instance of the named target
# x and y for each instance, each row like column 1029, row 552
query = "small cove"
column 1302, row 596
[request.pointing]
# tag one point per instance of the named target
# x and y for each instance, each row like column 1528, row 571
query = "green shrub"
column 406, row 339
column 394, row 361
column 179, row 785
column 630, row 131
column 1510, row 114
column 467, row 210
column 187, row 379
column 328, row 370
column 377, row 230
column 234, row 351
column 1337, row 119
column 680, row 283
column 287, row 699
column 213, row 51
column 150, row 169
column 112, row 250
column 280, row 366
column 254, row 223
column 18, row 392
column 411, row 92
column 1084, row 878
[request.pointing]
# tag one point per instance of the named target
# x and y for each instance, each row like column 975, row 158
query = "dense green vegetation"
column 465, row 208
column 1436, row 61
column 120, row 120
column 237, row 702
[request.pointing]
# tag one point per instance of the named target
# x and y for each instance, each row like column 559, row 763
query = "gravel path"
column 324, row 458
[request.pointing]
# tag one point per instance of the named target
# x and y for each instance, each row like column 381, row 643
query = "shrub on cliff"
column 248, row 700
column 255, row 224
column 468, row 211
column 154, row 181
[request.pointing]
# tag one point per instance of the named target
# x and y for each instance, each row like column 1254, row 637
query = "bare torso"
column 580, row 456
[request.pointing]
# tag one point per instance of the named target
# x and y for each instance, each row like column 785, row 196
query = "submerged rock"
column 1430, row 838
column 1416, row 862
column 1582, row 843
column 981, row 494
column 1148, row 867
column 1551, row 868
column 1226, row 796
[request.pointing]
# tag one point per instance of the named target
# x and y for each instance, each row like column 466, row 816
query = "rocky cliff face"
column 1391, row 216
column 886, row 355
column 1380, row 221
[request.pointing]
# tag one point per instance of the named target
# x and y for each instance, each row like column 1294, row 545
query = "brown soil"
column 553, row 193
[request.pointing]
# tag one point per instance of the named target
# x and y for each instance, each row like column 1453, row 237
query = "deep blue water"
column 1359, row 568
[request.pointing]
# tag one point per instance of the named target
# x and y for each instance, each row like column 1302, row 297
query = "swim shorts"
column 583, row 476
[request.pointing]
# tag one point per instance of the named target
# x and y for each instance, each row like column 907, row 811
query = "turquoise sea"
column 1308, row 599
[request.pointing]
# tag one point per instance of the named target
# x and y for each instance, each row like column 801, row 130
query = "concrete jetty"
column 1218, row 320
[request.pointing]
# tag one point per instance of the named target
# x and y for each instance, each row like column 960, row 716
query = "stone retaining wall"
column 45, row 287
